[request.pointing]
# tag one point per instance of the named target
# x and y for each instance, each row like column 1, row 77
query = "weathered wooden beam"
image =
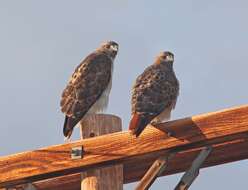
column 188, row 134
column 233, row 150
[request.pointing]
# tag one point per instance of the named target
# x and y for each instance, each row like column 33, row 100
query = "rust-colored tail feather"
column 139, row 122
column 68, row 126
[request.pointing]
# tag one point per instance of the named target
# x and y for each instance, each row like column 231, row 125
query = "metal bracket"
column 193, row 172
column 77, row 152
column 154, row 171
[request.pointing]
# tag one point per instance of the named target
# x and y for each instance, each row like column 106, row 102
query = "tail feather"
column 139, row 122
column 68, row 126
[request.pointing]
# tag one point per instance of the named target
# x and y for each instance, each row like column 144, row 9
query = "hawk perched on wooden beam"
column 88, row 89
column 154, row 94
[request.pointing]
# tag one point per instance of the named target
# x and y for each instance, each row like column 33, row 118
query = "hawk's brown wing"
column 154, row 91
column 86, row 85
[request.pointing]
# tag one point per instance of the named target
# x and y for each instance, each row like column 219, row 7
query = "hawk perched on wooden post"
column 154, row 94
column 88, row 89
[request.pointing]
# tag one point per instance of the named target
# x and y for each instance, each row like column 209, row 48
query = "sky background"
column 41, row 42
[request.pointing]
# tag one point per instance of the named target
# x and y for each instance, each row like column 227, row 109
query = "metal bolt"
column 77, row 152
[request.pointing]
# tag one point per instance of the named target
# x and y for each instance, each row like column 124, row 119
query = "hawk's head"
column 166, row 57
column 110, row 47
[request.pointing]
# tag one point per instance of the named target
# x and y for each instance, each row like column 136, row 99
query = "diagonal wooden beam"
column 153, row 172
column 189, row 134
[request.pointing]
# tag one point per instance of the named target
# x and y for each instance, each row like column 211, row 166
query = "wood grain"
column 181, row 162
column 221, row 128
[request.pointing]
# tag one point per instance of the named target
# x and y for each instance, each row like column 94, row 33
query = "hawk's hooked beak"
column 114, row 47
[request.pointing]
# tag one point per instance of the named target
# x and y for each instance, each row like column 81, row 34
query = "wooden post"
column 108, row 177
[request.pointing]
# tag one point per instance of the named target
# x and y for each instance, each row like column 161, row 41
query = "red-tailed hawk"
column 89, row 87
column 154, row 94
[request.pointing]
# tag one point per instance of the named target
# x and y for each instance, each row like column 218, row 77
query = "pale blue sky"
column 41, row 42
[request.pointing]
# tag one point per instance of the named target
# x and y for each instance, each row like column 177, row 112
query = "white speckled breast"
column 102, row 103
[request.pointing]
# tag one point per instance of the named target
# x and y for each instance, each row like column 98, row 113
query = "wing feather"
column 154, row 90
column 85, row 86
